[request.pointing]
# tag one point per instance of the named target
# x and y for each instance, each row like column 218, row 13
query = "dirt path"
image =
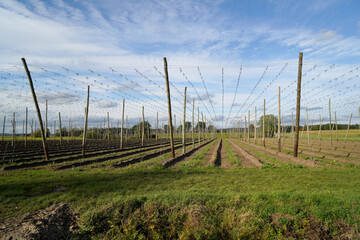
column 223, row 162
column 283, row 156
column 211, row 153
column 247, row 160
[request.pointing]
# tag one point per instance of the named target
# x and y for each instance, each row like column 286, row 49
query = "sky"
column 250, row 44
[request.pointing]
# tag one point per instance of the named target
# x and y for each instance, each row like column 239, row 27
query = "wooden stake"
column 3, row 130
column 46, row 118
column 296, row 143
column 60, row 128
column 183, row 126
column 37, row 108
column 157, row 126
column 347, row 131
column 279, row 122
column 169, row 108
column 122, row 124
column 263, row 138
column 192, row 125
column 143, row 127
column 86, row 121
column 255, row 127
column 26, row 118
column 198, row 126
column 330, row 123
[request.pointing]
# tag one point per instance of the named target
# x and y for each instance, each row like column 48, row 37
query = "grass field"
column 193, row 203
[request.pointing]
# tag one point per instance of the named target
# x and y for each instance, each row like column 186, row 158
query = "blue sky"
column 210, row 34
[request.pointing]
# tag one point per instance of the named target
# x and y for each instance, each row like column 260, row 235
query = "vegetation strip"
column 171, row 162
column 247, row 155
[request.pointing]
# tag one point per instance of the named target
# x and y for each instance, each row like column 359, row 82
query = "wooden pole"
column 337, row 136
column 202, row 128
column 347, row 131
column 307, row 126
column 263, row 138
column 183, row 126
column 169, row 108
column 37, row 109
column 245, row 128
column 249, row 126
column 296, row 143
column 26, row 118
column 143, row 127
column 192, row 124
column 279, row 122
column 255, row 127
column 60, row 128
column 86, row 121
column 108, row 127
column 122, row 124
column 3, row 130
column 157, row 126
column 46, row 117
column 198, row 127
column 13, row 130
column 330, row 122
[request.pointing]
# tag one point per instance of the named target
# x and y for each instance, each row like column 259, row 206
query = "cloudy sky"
column 249, row 47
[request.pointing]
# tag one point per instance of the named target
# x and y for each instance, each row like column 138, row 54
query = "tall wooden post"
column 60, row 128
column 122, row 124
column 157, row 126
column 330, row 122
column 263, row 130
column 143, row 127
column 347, row 131
column 183, row 126
column 169, row 108
column 307, row 126
column 3, row 130
column 26, row 118
column 249, row 126
column 13, row 130
column 198, row 126
column 255, row 127
column 192, row 124
column 37, row 108
column 86, row 121
column 202, row 128
column 46, row 118
column 279, row 122
column 296, row 143
column 108, row 128
column 245, row 128
column 337, row 136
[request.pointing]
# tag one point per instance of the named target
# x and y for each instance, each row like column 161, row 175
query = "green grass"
column 198, row 160
column 199, row 203
column 231, row 155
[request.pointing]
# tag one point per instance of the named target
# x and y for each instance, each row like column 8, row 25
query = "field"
column 227, row 188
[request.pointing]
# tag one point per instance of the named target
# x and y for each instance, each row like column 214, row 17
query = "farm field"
column 227, row 188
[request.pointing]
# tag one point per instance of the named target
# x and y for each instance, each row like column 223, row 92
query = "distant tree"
column 270, row 122
column 202, row 126
column 136, row 129
column 187, row 127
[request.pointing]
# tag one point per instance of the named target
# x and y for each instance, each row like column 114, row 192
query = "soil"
column 58, row 221
column 210, row 153
column 246, row 159
column 176, row 165
column 223, row 162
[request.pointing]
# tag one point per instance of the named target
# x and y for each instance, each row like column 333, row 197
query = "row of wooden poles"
column 246, row 129
column 43, row 132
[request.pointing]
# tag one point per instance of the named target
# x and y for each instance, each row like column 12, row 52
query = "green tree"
column 202, row 126
column 187, row 127
column 270, row 125
column 136, row 129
